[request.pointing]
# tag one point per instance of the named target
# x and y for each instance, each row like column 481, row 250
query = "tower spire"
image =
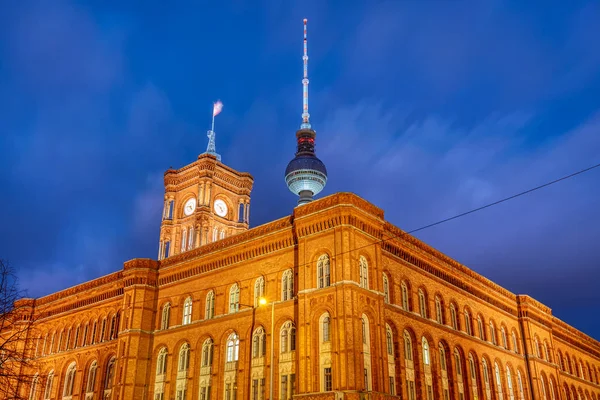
column 305, row 175
column 305, row 114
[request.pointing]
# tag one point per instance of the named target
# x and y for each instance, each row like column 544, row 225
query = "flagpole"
column 213, row 119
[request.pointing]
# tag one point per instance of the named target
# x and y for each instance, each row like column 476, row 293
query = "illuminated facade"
column 360, row 309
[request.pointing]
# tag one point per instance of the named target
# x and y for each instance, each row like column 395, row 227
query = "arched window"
column 453, row 318
column 422, row 304
column 183, row 239
column 323, row 272
column 408, row 354
column 473, row 376
column 543, row 384
column 207, row 353
column 486, row 379
column 259, row 290
column 503, row 334
column 364, row 272
column 386, row 289
column 536, row 347
column 187, row 311
column 552, row 389
column 222, row 234
column 49, row 382
column 520, row 386
column 514, row 342
column 546, row 352
column 443, row 366
column 109, row 377
column 480, row 328
column 444, row 373
column 493, row 333
column 404, row 288
column 259, row 347
column 287, row 285
column 511, row 391
column 438, row 310
column 161, row 362
column 215, row 234
column 184, row 358
column 326, row 328
column 468, row 323
column 389, row 340
column 191, row 238
column 234, row 298
column 90, row 386
column 288, row 337
column 426, row 356
column 498, row 381
column 33, row 388
column 458, row 363
column 233, row 347
column 69, row 381
column 209, row 311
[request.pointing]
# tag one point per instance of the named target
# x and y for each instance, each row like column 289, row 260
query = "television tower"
column 305, row 175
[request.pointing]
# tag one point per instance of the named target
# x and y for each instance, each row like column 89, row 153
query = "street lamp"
column 263, row 302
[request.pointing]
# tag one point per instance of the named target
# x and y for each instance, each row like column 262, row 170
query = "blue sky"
column 426, row 109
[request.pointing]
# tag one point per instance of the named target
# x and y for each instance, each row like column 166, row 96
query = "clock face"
column 190, row 206
column 220, row 208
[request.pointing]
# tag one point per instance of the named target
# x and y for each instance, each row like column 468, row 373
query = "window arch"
column 503, row 335
column 426, row 354
column 422, row 304
column 493, row 333
column 389, row 340
column 536, row 347
column 233, row 347
column 325, row 328
column 386, row 289
column 468, row 328
column 480, row 327
column 438, row 310
column 209, row 311
column 547, row 352
column 408, row 352
column 207, row 353
column 234, row 298
column 543, row 385
column 49, row 382
column 69, row 381
column 184, row 357
column 287, row 285
column 109, row 377
column 259, row 289
column 443, row 366
column 453, row 318
column 259, row 343
column 90, row 386
column 405, row 302
column 161, row 362
column 515, row 343
column 498, row 381
column 364, row 272
column 187, row 311
column 323, row 272
column 288, row 337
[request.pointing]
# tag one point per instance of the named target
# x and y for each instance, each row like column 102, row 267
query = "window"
column 493, row 333
column 520, row 386
column 259, row 290
column 110, row 374
column 183, row 240
column 69, row 380
column 480, row 328
column 392, row 388
column 407, row 346
column 389, row 340
column 167, row 249
column 184, row 358
column 207, row 353
column 287, row 285
column 161, row 362
column 326, row 328
column 404, row 296
column 386, row 289
column 503, row 335
column 511, row 392
column 323, row 271
column 486, row 379
column 546, row 352
column 48, row 389
column 364, row 272
column 457, row 362
column 438, row 310
column 536, row 347
column 453, row 319
column 442, row 358
column 187, row 311
column 170, row 211
column 234, row 298
column 327, row 384
column 514, row 342
column 210, row 305
column 422, row 304
column 259, row 343
column 191, row 238
column 426, row 357
column 215, row 235
column 33, row 389
column 498, row 381
column 233, row 347
column 468, row 323
column 91, row 379
column 288, row 337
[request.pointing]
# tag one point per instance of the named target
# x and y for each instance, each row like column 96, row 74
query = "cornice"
column 575, row 337
column 337, row 199
column 93, row 284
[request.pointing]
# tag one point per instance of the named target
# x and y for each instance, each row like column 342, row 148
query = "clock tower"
column 205, row 201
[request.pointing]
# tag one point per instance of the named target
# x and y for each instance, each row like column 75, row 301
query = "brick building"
column 355, row 308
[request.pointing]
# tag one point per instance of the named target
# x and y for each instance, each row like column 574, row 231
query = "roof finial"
column 305, row 114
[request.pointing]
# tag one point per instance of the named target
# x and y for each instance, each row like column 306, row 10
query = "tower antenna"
column 212, row 148
column 305, row 114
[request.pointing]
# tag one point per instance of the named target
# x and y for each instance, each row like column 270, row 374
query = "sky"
column 426, row 109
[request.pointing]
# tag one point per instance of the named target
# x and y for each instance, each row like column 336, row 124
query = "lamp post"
column 250, row 346
column 263, row 301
